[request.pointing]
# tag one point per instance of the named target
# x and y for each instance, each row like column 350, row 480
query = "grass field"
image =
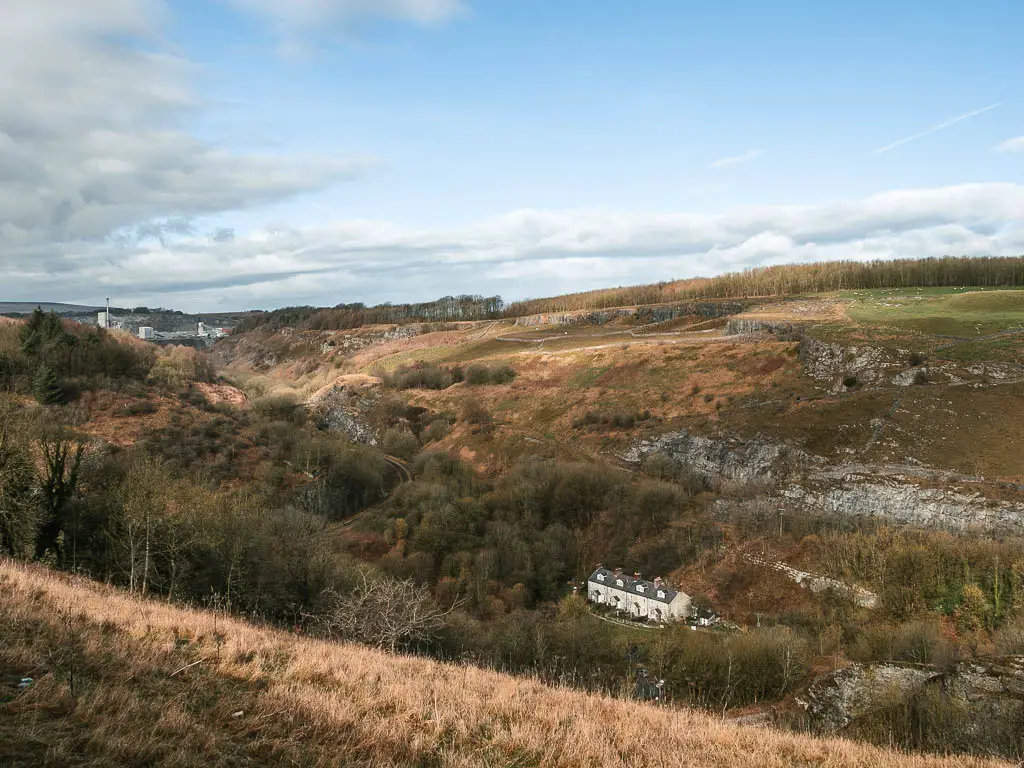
column 945, row 312
column 122, row 681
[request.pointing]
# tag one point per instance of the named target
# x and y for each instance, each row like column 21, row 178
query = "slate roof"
column 630, row 586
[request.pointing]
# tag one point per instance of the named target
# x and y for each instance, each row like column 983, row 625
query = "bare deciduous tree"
column 62, row 454
column 386, row 613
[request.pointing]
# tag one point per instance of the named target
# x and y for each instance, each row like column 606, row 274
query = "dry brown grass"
column 265, row 696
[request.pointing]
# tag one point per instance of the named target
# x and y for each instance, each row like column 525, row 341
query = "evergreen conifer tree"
column 46, row 387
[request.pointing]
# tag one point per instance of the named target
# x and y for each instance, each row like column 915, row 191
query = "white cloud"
column 524, row 253
column 746, row 157
column 936, row 128
column 92, row 136
column 295, row 21
column 1011, row 145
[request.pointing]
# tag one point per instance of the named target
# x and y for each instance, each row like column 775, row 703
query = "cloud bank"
column 93, row 136
column 524, row 253
column 106, row 192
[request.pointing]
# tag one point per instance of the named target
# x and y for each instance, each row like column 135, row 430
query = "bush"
column 919, row 641
column 435, row 430
column 619, row 420
column 915, row 359
column 423, row 376
column 851, row 382
column 734, row 670
column 662, row 466
column 180, row 367
column 473, row 412
column 920, row 377
column 278, row 408
column 400, row 443
column 138, row 408
column 479, row 374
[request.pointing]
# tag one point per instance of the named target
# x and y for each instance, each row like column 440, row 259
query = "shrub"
column 920, row 376
column 619, row 420
column 850, row 382
column 918, row 641
column 277, row 408
column 422, row 376
column 915, row 359
column 435, row 430
column 400, row 443
column 138, row 408
column 474, row 412
column 479, row 374
column 181, row 366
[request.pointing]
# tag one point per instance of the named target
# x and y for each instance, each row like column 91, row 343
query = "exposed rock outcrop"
column 808, row 483
column 343, row 408
column 834, row 364
column 728, row 459
column 745, row 326
column 986, row 696
column 837, row 698
column 816, row 582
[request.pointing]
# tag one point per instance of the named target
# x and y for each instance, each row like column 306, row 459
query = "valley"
column 834, row 480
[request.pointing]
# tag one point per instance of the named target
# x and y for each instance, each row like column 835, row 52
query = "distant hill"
column 25, row 307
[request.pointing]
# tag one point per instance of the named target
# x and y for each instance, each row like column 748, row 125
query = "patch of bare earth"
column 221, row 393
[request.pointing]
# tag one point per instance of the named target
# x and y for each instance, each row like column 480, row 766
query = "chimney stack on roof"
column 617, row 572
column 636, row 575
column 657, row 581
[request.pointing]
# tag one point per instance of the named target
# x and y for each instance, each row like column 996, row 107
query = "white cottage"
column 651, row 600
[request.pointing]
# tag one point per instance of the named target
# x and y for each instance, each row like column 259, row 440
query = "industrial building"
column 202, row 336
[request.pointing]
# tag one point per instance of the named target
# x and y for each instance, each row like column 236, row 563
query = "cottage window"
column 661, row 594
column 640, row 588
column 619, row 582
column 600, row 577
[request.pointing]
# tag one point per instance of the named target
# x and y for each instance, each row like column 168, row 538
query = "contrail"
column 938, row 127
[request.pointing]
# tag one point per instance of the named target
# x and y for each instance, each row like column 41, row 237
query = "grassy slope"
column 966, row 315
column 108, row 692
column 703, row 382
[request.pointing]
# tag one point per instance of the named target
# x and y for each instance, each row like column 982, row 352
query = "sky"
column 214, row 155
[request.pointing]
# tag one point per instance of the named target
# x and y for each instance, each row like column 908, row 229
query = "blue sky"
column 400, row 149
